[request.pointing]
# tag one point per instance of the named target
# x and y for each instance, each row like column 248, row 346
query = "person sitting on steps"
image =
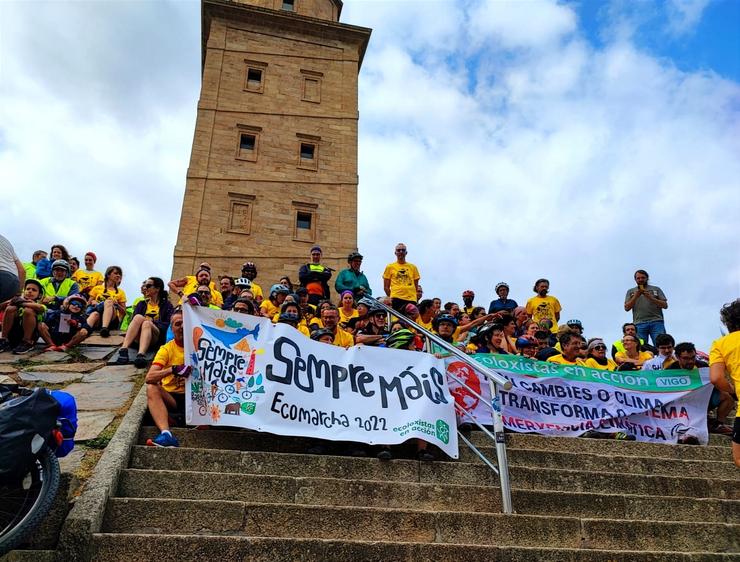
column 149, row 323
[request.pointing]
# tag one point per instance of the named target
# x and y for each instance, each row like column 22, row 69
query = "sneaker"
column 122, row 357
column 4, row 345
column 592, row 434
column 688, row 440
column 425, row 455
column 621, row 436
column 53, row 348
column 385, row 454
column 721, row 429
column 140, row 361
column 104, row 333
column 64, row 348
column 23, row 348
column 163, row 440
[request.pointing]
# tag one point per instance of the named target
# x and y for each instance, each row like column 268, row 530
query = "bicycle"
column 34, row 426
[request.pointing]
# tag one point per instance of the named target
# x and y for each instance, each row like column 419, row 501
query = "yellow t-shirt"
column 268, row 309
column 100, row 294
column 256, row 291
column 426, row 325
column 560, row 360
column 402, row 277
column 343, row 339
column 87, row 279
column 192, row 286
column 593, row 364
column 152, row 309
column 316, row 321
column 303, row 329
column 343, row 318
column 727, row 350
column 644, row 356
column 168, row 355
column 540, row 308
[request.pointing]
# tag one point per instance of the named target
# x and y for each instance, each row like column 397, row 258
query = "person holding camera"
column 646, row 303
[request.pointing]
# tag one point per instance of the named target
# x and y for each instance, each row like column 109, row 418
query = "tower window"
column 247, row 142
column 254, row 79
column 307, row 151
column 289, row 5
column 311, row 90
column 303, row 220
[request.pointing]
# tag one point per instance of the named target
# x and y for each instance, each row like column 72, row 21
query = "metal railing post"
column 498, row 423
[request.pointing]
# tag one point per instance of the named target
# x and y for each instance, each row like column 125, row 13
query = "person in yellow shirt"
column 724, row 364
column 597, row 358
column 189, row 284
column 107, row 303
column 632, row 358
column 543, row 306
column 271, row 306
column 249, row 271
column 347, row 311
column 330, row 320
column 88, row 278
column 400, row 280
column 165, row 382
column 573, row 346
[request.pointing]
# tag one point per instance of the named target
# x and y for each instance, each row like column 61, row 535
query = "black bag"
column 24, row 414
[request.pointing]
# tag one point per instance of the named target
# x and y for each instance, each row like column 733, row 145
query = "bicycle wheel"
column 24, row 506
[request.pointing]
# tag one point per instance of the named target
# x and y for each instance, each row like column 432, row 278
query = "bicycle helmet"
column 317, row 334
column 78, row 298
column 288, row 318
column 468, row 293
column 400, row 339
column 250, row 267
column 243, row 282
column 63, row 264
column 484, row 333
column 37, row 283
column 278, row 288
column 501, row 284
column 444, row 318
column 575, row 322
column 354, row 256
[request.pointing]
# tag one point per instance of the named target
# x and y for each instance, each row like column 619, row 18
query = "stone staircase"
column 237, row 495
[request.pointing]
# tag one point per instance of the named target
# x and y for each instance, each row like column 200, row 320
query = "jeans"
column 652, row 329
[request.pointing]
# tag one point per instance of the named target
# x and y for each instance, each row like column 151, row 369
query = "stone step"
column 245, row 440
column 459, row 473
column 30, row 556
column 146, row 516
column 478, row 437
column 170, row 548
column 613, row 463
column 535, row 502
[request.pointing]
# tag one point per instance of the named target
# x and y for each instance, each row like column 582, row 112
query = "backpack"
column 43, row 268
column 67, row 419
column 27, row 418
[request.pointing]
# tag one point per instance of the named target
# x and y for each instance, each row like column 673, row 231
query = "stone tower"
column 273, row 169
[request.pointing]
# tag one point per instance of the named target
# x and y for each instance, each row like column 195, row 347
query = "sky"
column 500, row 140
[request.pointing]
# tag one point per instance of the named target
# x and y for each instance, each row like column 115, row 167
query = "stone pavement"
column 101, row 391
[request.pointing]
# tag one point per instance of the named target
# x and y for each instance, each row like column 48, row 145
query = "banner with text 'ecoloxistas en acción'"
column 552, row 399
column 248, row 372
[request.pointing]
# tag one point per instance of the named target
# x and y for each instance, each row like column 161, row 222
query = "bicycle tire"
column 32, row 504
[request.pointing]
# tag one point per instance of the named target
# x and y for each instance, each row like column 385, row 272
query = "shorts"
column 736, row 431
column 9, row 285
column 715, row 399
column 179, row 400
column 399, row 305
column 115, row 322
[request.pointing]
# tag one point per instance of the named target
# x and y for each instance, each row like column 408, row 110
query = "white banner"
column 550, row 399
column 248, row 372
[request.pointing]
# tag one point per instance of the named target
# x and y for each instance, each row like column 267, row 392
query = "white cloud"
column 684, row 15
column 494, row 140
column 521, row 23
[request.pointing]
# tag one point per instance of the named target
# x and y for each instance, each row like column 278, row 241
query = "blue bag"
column 68, row 420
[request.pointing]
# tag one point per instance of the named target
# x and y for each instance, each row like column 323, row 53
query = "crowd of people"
column 53, row 297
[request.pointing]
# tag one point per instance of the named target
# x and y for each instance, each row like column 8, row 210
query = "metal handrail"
column 494, row 379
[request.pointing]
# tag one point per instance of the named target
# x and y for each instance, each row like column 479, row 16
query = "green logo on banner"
column 443, row 431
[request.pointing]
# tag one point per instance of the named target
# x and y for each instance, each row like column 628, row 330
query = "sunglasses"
column 242, row 310
column 204, row 293
column 76, row 303
column 602, row 347
column 148, row 285
column 400, row 251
